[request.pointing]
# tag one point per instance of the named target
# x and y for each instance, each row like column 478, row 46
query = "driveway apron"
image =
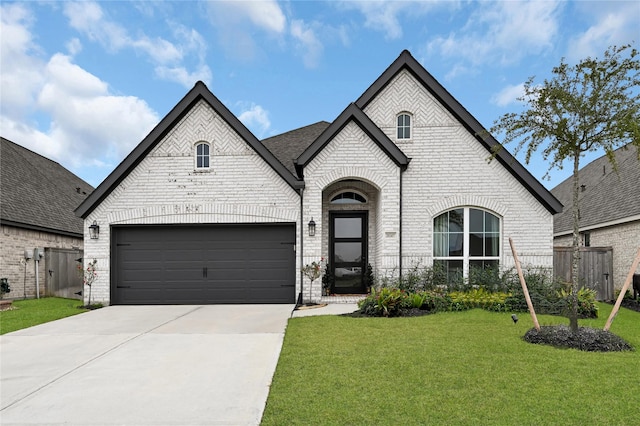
column 144, row 365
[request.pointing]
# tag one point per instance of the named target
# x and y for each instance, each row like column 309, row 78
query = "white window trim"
column 195, row 156
column 410, row 126
column 465, row 242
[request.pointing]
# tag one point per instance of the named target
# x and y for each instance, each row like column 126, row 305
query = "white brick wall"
column 449, row 169
column 164, row 188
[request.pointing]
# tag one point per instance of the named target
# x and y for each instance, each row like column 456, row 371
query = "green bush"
column 386, row 302
column 478, row 298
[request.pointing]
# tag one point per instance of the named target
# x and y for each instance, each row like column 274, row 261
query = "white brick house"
column 203, row 212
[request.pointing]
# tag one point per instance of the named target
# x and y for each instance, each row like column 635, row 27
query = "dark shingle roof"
column 38, row 193
column 607, row 196
column 288, row 146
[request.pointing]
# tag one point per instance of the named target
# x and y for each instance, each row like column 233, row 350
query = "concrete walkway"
column 146, row 365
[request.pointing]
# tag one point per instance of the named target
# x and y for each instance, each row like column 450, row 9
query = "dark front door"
column 348, row 251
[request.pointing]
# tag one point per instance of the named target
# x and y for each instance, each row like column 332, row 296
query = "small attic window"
column 202, row 155
column 348, row 198
column 404, row 126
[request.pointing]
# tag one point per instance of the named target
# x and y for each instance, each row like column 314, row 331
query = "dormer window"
column 348, row 198
column 202, row 155
column 404, row 126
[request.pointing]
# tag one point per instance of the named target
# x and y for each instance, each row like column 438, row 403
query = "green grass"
column 451, row 368
column 27, row 313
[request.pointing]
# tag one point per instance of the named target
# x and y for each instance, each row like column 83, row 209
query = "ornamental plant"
column 89, row 275
column 312, row 271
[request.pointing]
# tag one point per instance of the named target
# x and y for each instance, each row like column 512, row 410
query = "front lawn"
column 468, row 367
column 30, row 312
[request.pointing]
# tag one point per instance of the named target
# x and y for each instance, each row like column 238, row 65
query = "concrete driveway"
column 144, row 365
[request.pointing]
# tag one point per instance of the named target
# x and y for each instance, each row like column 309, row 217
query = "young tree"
column 594, row 105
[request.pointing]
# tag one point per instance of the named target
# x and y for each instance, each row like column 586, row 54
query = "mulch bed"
column 632, row 304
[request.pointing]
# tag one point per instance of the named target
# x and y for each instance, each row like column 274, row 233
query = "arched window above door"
column 348, row 197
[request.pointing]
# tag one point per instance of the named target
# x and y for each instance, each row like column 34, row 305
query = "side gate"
column 595, row 268
column 62, row 277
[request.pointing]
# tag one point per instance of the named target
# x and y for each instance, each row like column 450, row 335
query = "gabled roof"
column 199, row 92
column 607, row 196
column 473, row 126
column 355, row 114
column 288, row 146
column 37, row 193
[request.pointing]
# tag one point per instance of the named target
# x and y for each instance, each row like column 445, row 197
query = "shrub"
column 386, row 302
column 478, row 298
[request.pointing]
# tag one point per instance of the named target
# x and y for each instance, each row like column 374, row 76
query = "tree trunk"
column 575, row 258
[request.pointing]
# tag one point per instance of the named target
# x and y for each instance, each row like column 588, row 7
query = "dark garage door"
column 203, row 264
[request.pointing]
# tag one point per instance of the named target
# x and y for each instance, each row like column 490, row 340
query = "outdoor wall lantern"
column 312, row 228
column 94, row 230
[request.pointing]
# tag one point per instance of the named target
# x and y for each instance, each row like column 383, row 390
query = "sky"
column 82, row 83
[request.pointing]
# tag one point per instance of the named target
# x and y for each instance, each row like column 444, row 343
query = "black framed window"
column 404, row 126
column 202, row 156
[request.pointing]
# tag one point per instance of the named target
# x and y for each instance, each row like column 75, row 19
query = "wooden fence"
column 595, row 268
column 61, row 270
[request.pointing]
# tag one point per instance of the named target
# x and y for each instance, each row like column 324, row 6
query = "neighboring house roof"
column 355, row 114
column 406, row 61
column 37, row 193
column 608, row 197
column 199, row 92
column 288, row 146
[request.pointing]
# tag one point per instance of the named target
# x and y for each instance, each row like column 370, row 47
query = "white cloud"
column 264, row 14
column 616, row 23
column 256, row 119
column 74, row 46
column 508, row 95
column 87, row 122
column 308, row 42
column 502, row 32
column 236, row 21
column 384, row 16
column 20, row 58
column 79, row 124
column 183, row 76
column 90, row 20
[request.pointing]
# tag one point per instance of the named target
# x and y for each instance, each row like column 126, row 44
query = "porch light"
column 312, row 228
column 94, row 230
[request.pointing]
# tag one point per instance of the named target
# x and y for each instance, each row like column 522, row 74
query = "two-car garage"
column 203, row 264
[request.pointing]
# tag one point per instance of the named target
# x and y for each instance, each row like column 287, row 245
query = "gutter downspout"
column 400, row 225
column 299, row 298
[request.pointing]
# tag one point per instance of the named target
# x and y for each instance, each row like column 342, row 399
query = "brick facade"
column 622, row 238
column 165, row 188
column 448, row 169
column 22, row 274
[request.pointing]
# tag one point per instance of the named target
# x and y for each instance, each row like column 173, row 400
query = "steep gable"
column 199, row 93
column 351, row 114
column 38, row 193
column 396, row 76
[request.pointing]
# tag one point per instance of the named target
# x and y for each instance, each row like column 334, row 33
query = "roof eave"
column 352, row 113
